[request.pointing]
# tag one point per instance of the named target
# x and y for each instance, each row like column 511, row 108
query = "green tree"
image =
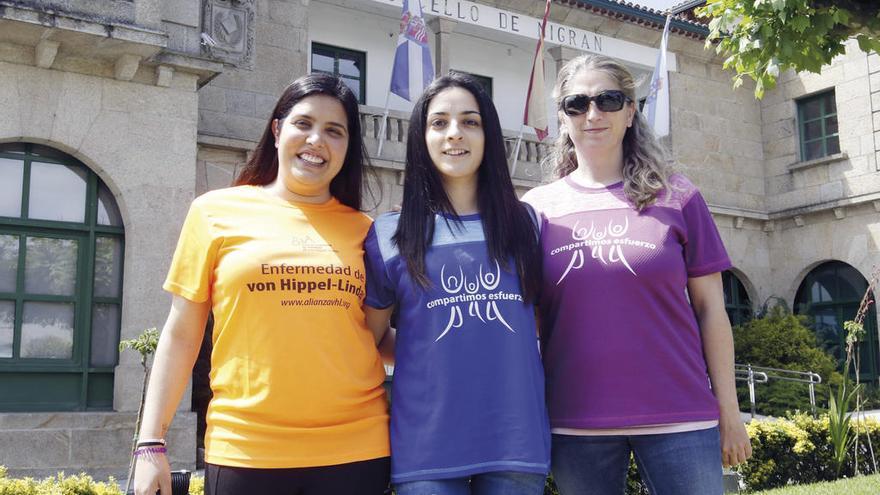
column 761, row 38
column 782, row 340
column 145, row 344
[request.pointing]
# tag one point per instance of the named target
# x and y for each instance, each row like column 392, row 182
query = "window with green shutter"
column 736, row 299
column 61, row 253
column 817, row 122
column 830, row 295
column 348, row 65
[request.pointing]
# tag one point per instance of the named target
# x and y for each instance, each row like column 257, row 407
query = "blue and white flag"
column 413, row 69
column 657, row 103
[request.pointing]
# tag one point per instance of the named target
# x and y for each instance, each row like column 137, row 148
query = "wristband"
column 150, row 450
column 150, row 442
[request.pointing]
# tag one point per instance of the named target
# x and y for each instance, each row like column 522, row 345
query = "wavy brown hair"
column 645, row 169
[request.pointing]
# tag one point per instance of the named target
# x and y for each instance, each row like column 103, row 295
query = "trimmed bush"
column 81, row 484
column 783, row 340
column 197, row 485
column 797, row 450
column 57, row 485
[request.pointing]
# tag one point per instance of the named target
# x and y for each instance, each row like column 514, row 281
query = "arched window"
column 831, row 294
column 61, row 247
column 736, row 299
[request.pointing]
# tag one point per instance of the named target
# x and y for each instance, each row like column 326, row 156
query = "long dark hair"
column 509, row 230
column 262, row 168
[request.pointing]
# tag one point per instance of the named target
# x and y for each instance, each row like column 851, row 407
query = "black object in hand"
column 179, row 483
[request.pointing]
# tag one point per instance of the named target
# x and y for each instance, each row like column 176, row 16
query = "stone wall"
column 825, row 209
column 716, row 132
column 113, row 127
column 42, row 444
column 849, row 235
column 793, row 183
column 237, row 104
column 181, row 23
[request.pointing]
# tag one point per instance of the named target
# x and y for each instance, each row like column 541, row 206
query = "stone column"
column 442, row 28
column 562, row 54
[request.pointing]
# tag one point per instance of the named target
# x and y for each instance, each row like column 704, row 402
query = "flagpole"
column 535, row 112
column 381, row 136
column 516, row 150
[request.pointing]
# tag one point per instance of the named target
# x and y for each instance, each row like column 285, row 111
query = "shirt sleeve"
column 380, row 290
column 192, row 269
column 704, row 251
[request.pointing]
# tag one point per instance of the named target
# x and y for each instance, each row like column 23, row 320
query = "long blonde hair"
column 645, row 170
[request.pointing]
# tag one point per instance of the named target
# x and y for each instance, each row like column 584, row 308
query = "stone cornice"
column 631, row 12
column 92, row 25
column 837, row 207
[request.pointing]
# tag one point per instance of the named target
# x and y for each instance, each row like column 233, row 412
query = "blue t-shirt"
column 468, row 389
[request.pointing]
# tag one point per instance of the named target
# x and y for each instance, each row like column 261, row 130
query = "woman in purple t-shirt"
column 638, row 351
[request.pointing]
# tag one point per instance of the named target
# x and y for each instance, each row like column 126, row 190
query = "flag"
column 657, row 103
column 413, row 69
column 535, row 115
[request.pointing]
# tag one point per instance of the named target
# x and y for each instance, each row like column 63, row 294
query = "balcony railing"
column 528, row 167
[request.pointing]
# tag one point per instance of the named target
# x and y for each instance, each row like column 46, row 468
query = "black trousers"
column 355, row 478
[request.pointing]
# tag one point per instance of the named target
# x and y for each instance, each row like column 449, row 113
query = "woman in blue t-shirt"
column 460, row 263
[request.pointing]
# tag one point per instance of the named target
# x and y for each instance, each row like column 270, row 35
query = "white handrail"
column 762, row 374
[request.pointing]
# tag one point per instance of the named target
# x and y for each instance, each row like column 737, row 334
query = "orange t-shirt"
column 296, row 376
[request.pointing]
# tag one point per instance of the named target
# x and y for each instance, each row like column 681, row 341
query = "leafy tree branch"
column 762, row 38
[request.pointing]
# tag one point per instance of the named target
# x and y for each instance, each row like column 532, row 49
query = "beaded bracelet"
column 150, row 450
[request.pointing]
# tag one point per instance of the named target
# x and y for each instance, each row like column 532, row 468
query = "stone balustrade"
column 528, row 172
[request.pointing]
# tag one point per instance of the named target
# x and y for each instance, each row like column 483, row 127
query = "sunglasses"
column 606, row 101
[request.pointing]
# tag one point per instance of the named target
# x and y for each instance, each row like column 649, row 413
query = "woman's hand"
column 707, row 299
column 172, row 368
column 152, row 473
column 736, row 448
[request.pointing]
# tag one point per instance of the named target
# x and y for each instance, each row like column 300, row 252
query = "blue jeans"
column 687, row 463
column 494, row 483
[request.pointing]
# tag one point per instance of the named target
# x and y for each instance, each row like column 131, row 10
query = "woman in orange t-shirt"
column 298, row 403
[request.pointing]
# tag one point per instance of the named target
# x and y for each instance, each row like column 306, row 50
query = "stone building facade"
column 144, row 104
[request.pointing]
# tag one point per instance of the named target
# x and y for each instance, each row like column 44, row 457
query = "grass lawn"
column 863, row 485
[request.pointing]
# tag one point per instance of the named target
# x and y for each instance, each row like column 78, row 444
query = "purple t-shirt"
column 621, row 343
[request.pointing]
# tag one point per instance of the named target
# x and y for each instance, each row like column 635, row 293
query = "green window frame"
column 830, row 295
column 817, row 126
column 63, row 270
column 736, row 299
column 348, row 65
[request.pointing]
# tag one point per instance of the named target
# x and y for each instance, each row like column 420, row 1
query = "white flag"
column 535, row 115
column 657, row 104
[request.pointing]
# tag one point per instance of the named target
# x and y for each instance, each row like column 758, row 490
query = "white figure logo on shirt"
column 468, row 291
column 597, row 240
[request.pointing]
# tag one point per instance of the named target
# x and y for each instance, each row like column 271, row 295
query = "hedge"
column 81, row 484
column 797, row 450
column 789, row 451
column 57, row 485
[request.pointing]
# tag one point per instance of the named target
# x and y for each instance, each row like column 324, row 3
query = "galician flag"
column 657, row 103
column 535, row 115
column 413, row 69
